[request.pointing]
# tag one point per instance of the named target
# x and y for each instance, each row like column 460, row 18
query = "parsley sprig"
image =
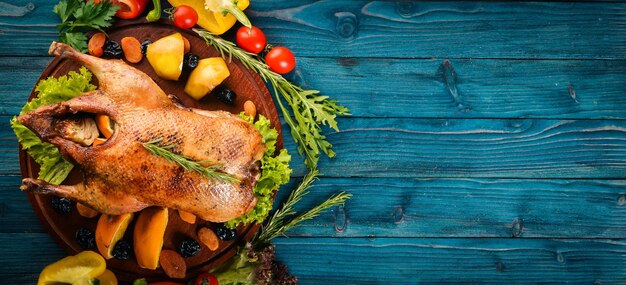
column 187, row 163
column 78, row 16
column 310, row 109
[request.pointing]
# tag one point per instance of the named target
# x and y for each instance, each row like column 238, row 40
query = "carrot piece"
column 132, row 49
column 187, row 45
column 208, row 238
column 173, row 264
column 96, row 44
column 187, row 217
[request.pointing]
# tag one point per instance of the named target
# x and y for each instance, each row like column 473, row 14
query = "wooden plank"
column 384, row 207
column 458, row 29
column 394, row 261
column 380, row 28
column 16, row 215
column 24, row 255
column 392, row 207
column 431, row 148
column 453, row 261
column 572, row 89
column 439, row 88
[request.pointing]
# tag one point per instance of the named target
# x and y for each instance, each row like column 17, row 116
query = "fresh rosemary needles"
column 187, row 163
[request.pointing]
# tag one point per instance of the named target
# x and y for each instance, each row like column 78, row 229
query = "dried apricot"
column 173, row 264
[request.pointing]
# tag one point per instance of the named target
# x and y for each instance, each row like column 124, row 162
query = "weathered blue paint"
column 488, row 142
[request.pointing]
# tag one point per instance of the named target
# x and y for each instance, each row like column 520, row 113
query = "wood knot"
column 406, row 9
column 517, row 228
column 559, row 257
column 500, row 266
column 398, row 215
column 449, row 79
column 341, row 221
column 621, row 200
column 347, row 25
column 9, row 10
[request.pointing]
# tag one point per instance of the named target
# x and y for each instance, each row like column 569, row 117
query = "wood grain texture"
column 390, row 207
column 454, row 261
column 436, row 88
column 463, row 29
column 520, row 148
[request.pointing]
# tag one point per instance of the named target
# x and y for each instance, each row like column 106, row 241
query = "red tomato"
column 251, row 40
column 184, row 17
column 206, row 279
column 280, row 60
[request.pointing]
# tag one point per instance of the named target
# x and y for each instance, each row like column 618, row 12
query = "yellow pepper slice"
column 77, row 269
column 214, row 22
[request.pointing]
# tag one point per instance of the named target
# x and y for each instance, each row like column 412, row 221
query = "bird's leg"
column 94, row 195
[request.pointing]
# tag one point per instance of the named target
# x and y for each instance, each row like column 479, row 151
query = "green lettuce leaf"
column 275, row 171
column 54, row 168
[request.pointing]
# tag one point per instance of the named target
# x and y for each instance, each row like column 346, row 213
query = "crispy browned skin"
column 121, row 176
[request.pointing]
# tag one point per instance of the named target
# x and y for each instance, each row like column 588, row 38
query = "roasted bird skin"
column 121, row 176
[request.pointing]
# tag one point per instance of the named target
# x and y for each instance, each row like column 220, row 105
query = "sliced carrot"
column 187, row 217
column 132, row 49
column 96, row 44
column 173, row 264
column 187, row 45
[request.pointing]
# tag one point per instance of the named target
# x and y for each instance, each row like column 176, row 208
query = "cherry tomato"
column 280, row 60
column 251, row 40
column 184, row 17
column 206, row 279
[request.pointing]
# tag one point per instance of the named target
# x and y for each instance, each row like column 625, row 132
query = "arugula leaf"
column 78, row 17
column 54, row 168
column 275, row 171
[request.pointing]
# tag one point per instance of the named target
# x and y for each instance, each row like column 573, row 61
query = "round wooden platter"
column 245, row 83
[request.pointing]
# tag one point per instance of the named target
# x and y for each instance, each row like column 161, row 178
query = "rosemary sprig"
column 278, row 224
column 310, row 109
column 187, row 163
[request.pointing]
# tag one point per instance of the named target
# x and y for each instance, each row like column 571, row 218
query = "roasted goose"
column 121, row 176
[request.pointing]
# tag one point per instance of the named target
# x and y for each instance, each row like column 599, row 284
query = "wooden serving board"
column 246, row 84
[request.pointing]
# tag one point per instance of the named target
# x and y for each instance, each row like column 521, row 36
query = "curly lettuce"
column 275, row 172
column 54, row 168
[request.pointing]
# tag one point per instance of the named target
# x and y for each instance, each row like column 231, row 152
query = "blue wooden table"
column 487, row 142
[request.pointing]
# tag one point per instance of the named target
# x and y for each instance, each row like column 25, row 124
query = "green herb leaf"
column 309, row 109
column 187, row 163
column 275, row 172
column 95, row 15
column 77, row 40
column 78, row 16
column 54, row 169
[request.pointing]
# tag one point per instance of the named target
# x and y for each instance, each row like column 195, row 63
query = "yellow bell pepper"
column 213, row 19
column 209, row 73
